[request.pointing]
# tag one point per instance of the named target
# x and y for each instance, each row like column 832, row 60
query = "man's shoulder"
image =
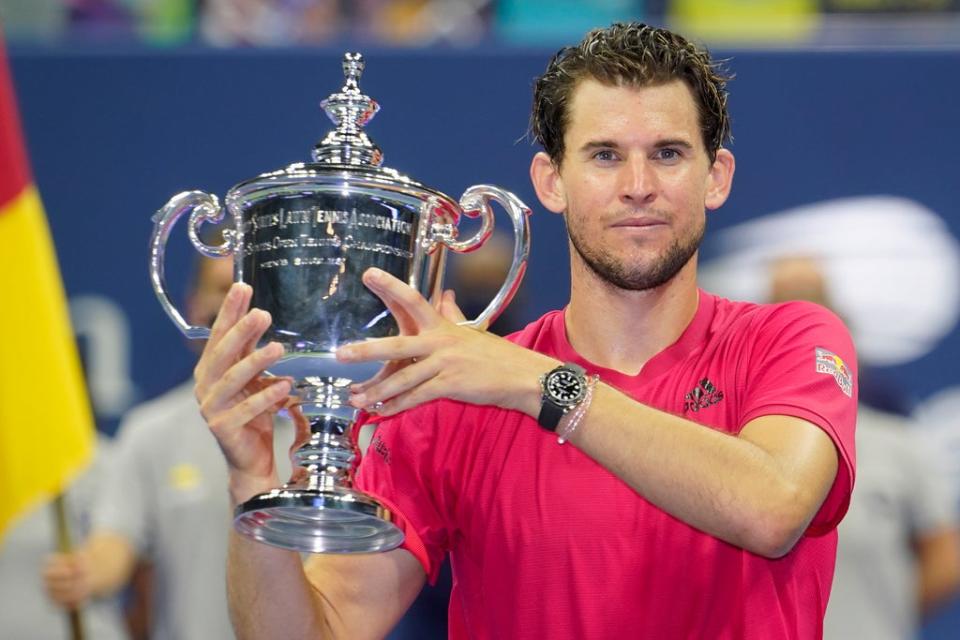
column 753, row 317
column 538, row 333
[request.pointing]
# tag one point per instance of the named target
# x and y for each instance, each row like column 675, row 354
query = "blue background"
column 113, row 134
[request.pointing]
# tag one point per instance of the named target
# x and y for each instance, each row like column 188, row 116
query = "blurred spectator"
column 470, row 22
column 164, row 21
column 269, row 22
column 887, row 6
column 898, row 555
column 164, row 503
column 537, row 22
column 476, row 278
column 153, row 21
column 746, row 21
column 251, row 22
column 39, row 20
column 25, row 611
column 422, row 22
column 103, row 16
column 300, row 22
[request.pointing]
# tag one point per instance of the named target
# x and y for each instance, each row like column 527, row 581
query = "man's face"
column 213, row 282
column 635, row 180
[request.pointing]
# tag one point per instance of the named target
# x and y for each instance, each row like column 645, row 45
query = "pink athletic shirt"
column 546, row 543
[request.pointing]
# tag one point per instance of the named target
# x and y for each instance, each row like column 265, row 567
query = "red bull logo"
column 832, row 364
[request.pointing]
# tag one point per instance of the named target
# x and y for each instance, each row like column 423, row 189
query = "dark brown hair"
column 632, row 54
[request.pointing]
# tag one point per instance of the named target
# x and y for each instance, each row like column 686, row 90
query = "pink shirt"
column 546, row 543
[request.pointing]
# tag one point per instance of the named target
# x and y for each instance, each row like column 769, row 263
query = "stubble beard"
column 623, row 276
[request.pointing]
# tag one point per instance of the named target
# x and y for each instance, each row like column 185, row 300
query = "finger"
column 301, row 429
column 243, row 376
column 265, row 381
column 437, row 301
column 251, row 407
column 399, row 383
column 430, row 390
column 405, row 322
column 70, row 597
column 386, row 349
column 59, row 595
column 251, row 344
column 449, row 308
column 386, row 370
column 231, row 310
column 401, row 298
column 214, row 363
column 58, row 566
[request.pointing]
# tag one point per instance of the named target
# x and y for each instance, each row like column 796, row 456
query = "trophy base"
column 318, row 521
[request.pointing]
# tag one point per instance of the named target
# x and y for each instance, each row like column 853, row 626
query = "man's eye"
column 605, row 155
column 668, row 154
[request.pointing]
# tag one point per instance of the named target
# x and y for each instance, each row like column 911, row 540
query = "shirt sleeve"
column 803, row 364
column 121, row 507
column 403, row 467
column 934, row 500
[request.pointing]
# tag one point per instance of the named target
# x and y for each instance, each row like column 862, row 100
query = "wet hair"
column 632, row 54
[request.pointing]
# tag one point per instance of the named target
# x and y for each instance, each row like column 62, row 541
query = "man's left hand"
column 435, row 357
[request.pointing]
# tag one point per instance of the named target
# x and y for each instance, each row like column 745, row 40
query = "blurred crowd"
column 458, row 22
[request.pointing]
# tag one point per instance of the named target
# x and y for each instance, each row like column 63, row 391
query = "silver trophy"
column 302, row 237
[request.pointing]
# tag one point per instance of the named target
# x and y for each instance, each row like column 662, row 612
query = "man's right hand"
column 235, row 399
column 338, row 596
column 67, row 579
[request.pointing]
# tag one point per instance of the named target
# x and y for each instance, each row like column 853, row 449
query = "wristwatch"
column 561, row 390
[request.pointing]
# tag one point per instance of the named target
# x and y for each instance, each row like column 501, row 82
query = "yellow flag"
column 46, row 425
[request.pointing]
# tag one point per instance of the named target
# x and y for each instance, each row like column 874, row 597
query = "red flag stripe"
column 14, row 169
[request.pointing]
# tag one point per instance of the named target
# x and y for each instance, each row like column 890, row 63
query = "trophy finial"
column 353, row 65
column 350, row 111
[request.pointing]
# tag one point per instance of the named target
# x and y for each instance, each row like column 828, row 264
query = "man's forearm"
column 724, row 485
column 269, row 594
column 111, row 559
column 938, row 566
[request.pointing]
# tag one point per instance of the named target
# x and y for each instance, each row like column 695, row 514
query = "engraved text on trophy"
column 304, row 257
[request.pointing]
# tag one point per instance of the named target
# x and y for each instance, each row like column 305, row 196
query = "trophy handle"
column 203, row 207
column 476, row 202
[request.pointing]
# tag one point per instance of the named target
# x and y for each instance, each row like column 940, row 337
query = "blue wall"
column 113, row 135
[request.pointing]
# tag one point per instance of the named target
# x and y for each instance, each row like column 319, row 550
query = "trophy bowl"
column 302, row 237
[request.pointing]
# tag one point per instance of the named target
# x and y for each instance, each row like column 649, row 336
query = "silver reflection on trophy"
column 302, row 237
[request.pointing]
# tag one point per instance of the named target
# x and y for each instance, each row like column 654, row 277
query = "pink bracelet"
column 569, row 423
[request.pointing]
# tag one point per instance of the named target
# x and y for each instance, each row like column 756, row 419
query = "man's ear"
column 547, row 182
column 720, row 179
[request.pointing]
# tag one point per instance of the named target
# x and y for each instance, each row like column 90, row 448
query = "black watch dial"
column 565, row 387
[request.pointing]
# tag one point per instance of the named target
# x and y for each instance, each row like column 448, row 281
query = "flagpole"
column 65, row 545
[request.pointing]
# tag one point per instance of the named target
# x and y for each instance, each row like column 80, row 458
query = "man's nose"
column 638, row 182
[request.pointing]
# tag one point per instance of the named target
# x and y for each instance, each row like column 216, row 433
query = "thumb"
column 448, row 307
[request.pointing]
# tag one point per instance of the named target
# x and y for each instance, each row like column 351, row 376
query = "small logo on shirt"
column 184, row 477
column 830, row 363
column 702, row 396
column 380, row 447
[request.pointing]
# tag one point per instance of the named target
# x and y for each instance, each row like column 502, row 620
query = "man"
column 706, row 470
column 164, row 504
column 25, row 612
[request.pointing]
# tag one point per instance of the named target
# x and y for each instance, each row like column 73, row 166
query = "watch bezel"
column 574, row 377
column 553, row 407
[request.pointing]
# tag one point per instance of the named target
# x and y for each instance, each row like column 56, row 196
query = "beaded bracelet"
column 568, row 426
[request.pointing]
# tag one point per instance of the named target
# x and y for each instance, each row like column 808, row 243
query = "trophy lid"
column 350, row 110
column 344, row 160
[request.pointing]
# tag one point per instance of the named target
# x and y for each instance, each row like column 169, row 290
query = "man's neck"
column 622, row 330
